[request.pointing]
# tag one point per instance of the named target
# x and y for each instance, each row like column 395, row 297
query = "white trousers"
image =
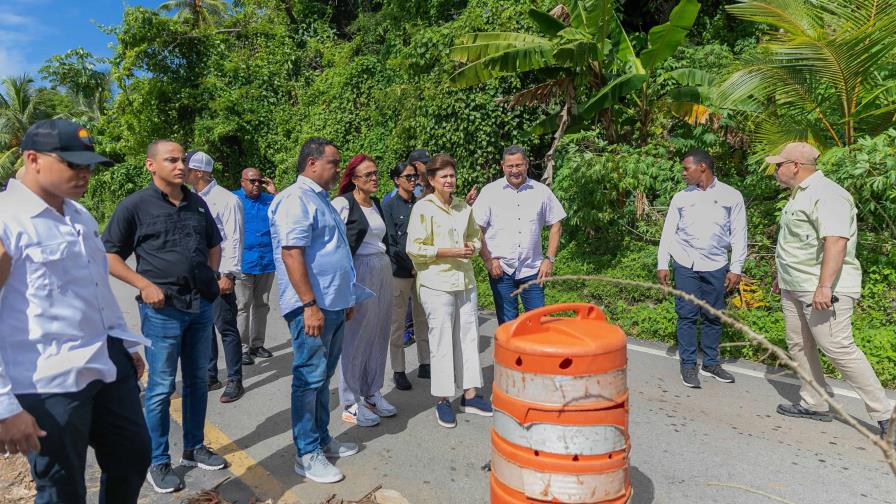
column 453, row 340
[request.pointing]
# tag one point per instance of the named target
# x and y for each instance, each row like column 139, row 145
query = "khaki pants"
column 831, row 331
column 252, row 295
column 453, row 340
column 402, row 289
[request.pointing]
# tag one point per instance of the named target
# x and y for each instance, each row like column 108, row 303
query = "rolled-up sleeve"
column 293, row 220
column 420, row 246
column 473, row 234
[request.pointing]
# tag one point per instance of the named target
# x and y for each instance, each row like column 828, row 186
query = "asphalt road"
column 723, row 443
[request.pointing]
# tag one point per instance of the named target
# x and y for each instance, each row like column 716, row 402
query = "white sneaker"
column 360, row 415
column 381, row 406
column 316, row 467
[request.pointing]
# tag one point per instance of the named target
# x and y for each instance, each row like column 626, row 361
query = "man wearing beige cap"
column 820, row 280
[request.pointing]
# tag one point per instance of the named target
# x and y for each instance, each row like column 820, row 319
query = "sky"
column 33, row 30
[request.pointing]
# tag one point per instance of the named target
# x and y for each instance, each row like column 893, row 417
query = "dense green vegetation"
column 606, row 96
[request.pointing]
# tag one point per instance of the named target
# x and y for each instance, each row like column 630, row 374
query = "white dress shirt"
column 227, row 210
column 56, row 307
column 513, row 219
column 702, row 226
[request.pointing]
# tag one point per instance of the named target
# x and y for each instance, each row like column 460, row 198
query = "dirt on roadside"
column 16, row 486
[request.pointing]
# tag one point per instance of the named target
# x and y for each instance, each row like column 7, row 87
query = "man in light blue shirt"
column 703, row 223
column 316, row 281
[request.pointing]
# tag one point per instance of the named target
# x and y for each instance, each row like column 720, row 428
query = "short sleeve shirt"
column 170, row 241
column 513, row 219
column 817, row 208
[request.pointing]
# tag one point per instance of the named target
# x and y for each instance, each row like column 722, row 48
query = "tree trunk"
column 548, row 177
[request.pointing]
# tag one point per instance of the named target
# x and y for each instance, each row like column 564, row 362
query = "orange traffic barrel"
column 561, row 409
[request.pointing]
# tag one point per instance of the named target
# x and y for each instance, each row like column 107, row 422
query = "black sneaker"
column 401, row 381
column 423, row 372
column 798, row 411
column 717, row 372
column 247, row 359
column 689, row 376
column 233, row 391
column 262, row 352
column 884, row 425
column 214, row 383
column 203, row 458
column 163, row 478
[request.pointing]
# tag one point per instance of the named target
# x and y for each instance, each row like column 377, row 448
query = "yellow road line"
column 243, row 467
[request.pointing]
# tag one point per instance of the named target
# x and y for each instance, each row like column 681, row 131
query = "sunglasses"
column 368, row 175
column 72, row 166
column 254, row 181
column 413, row 177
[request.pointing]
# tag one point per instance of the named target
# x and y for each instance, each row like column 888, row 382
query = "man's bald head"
column 251, row 172
column 251, row 182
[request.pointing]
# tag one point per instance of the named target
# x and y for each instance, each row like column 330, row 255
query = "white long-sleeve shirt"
column 227, row 210
column 56, row 308
column 702, row 226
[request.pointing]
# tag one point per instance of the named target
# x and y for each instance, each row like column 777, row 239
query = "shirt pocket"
column 48, row 267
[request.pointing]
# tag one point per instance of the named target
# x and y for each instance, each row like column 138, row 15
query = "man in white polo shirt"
column 69, row 365
column 512, row 211
column 227, row 212
column 820, row 280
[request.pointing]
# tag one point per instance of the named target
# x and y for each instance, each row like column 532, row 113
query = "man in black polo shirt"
column 178, row 252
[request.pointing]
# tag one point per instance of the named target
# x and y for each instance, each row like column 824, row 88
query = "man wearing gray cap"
column 820, row 280
column 227, row 212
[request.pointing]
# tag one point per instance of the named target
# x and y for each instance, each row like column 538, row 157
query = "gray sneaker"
column 163, row 478
column 316, row 467
column 717, row 372
column 689, row 376
column 203, row 458
column 338, row 450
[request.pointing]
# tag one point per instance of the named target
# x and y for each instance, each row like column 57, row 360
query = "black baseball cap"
column 68, row 140
column 421, row 155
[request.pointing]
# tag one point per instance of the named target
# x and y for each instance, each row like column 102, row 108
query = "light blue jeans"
column 176, row 335
column 313, row 364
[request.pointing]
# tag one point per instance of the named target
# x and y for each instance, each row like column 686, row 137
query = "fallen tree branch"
column 885, row 445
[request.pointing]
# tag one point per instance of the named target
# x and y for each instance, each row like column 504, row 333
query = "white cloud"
column 13, row 19
column 12, row 63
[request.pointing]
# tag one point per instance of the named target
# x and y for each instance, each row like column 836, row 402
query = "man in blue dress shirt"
column 253, row 285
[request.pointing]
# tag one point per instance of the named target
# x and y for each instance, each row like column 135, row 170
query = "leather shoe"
column 401, row 381
column 247, row 359
column 262, row 352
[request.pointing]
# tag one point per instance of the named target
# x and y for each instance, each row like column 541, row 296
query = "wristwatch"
column 309, row 304
column 550, row 258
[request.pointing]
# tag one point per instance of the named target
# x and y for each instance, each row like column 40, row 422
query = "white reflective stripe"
column 561, row 439
column 571, row 488
column 560, row 390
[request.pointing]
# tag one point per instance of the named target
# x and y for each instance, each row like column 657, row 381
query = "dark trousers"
column 507, row 305
column 225, row 322
column 105, row 416
column 710, row 287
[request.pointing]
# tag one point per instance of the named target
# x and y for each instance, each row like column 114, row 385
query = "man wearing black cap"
column 68, row 364
column 177, row 244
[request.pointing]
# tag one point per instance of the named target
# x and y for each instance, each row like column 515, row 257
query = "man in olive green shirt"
column 820, row 279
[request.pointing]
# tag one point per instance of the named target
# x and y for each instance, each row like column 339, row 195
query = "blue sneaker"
column 408, row 338
column 445, row 414
column 478, row 405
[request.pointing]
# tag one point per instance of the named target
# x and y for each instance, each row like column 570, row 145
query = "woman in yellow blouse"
column 442, row 239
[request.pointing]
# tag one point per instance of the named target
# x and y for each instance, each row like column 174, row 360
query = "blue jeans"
column 313, row 364
column 710, row 287
column 507, row 306
column 176, row 335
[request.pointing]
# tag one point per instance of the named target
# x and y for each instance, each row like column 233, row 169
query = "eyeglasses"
column 72, row 166
column 780, row 165
column 411, row 177
column 253, row 181
column 368, row 175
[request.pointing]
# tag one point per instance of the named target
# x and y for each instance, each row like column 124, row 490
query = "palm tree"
column 200, row 12
column 21, row 105
column 820, row 76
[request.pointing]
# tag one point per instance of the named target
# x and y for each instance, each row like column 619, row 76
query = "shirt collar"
column 31, row 203
column 456, row 203
column 209, row 188
column 153, row 187
column 310, row 184
column 527, row 184
column 811, row 179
